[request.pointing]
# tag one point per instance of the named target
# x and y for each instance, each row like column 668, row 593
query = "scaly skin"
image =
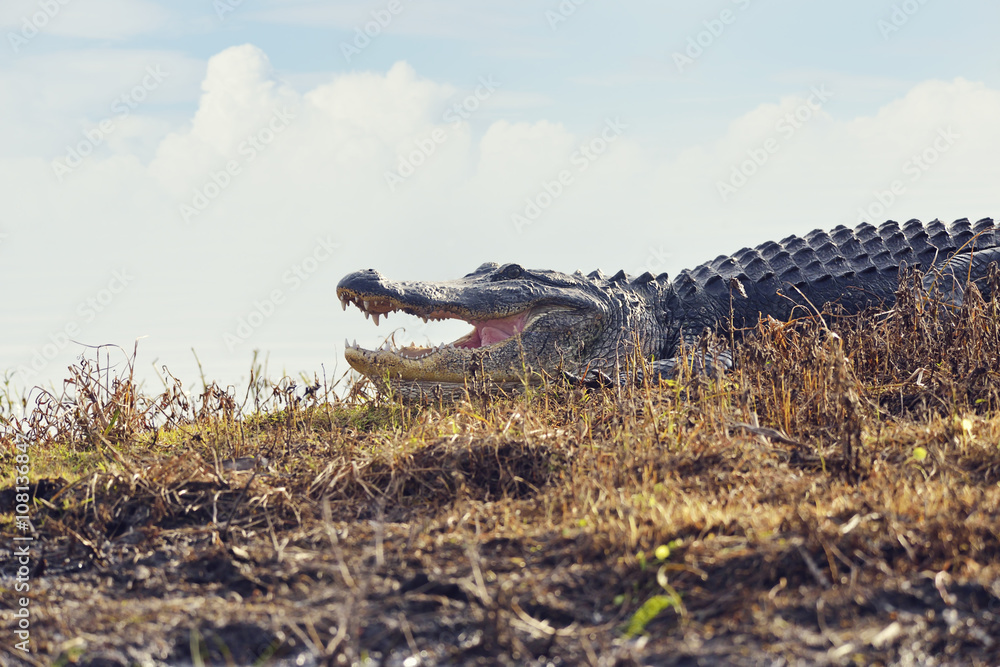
column 530, row 324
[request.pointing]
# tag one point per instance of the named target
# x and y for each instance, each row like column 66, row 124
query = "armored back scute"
column 854, row 268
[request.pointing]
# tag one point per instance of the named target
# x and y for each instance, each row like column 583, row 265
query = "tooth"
column 424, row 319
column 366, row 305
column 343, row 304
column 375, row 317
column 355, row 344
column 346, row 344
column 367, row 314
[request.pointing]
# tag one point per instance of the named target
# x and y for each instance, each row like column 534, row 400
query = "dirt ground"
column 468, row 565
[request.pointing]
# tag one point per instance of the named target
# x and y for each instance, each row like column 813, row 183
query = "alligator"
column 529, row 324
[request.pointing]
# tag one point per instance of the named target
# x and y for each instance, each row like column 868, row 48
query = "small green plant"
column 649, row 610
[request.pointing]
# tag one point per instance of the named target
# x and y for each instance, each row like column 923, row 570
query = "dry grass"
column 835, row 500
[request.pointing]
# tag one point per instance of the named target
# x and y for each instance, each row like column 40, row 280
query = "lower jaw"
column 430, row 391
column 378, row 365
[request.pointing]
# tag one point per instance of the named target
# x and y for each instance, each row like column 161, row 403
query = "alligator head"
column 525, row 324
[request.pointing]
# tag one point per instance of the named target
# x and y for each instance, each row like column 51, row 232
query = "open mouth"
column 485, row 332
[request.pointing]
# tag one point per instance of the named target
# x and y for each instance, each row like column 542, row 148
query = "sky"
column 198, row 176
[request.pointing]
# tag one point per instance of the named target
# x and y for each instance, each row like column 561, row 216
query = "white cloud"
column 390, row 107
column 323, row 173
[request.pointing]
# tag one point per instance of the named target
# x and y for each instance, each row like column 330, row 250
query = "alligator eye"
column 512, row 271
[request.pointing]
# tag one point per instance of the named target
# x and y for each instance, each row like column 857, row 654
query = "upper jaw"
column 381, row 306
column 455, row 299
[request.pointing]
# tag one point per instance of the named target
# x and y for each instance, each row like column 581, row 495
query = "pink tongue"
column 494, row 331
column 490, row 335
